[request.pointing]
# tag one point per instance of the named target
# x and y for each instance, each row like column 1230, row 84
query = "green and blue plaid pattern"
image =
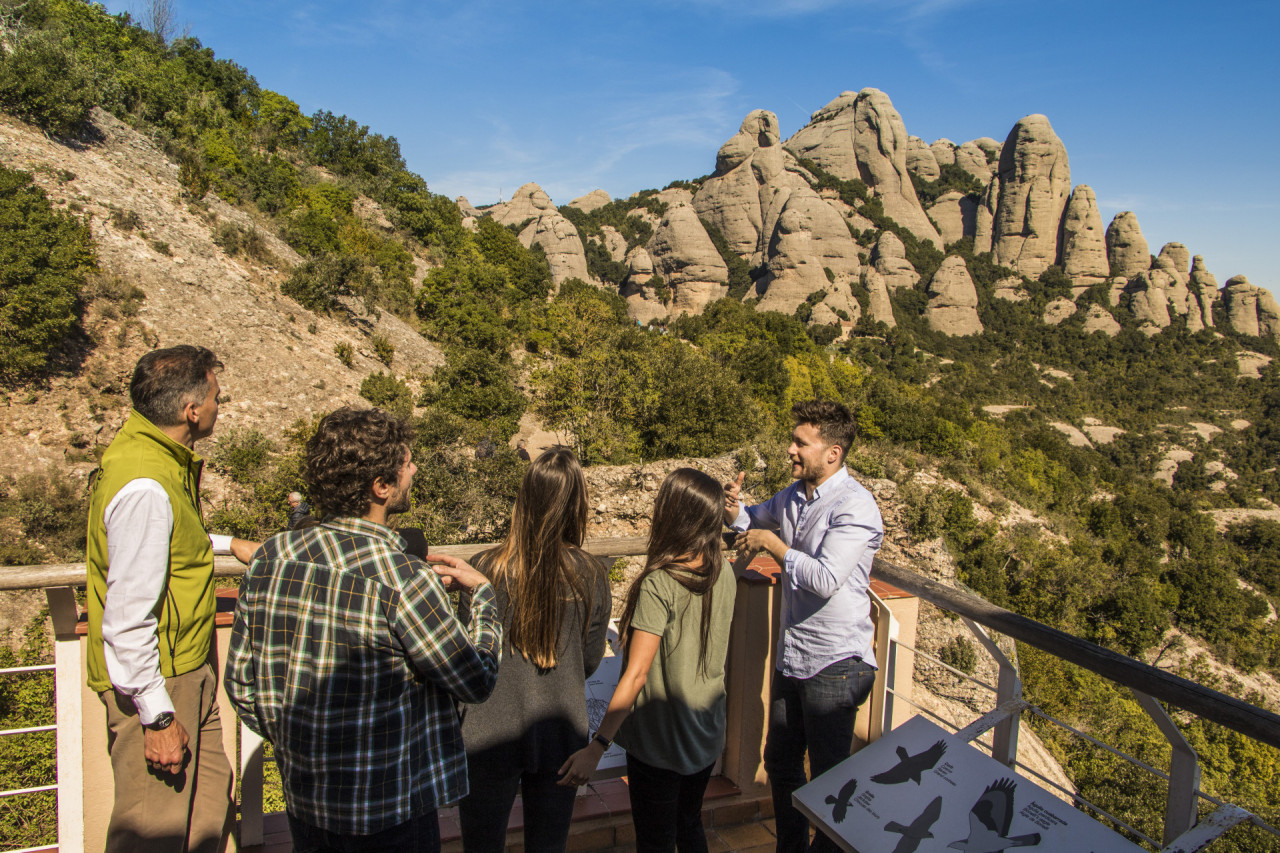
column 347, row 655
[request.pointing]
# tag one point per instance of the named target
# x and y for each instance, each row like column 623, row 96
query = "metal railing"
column 1183, row 830
column 27, row 731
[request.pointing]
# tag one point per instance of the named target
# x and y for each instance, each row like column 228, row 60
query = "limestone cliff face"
column 862, row 136
column 920, row 159
column 809, row 250
column 593, row 200
column 1035, row 181
column 979, row 157
column 1205, row 286
column 1251, row 310
column 733, row 198
column 890, row 258
column 953, row 299
column 1084, row 245
column 687, row 260
column 879, row 306
column 956, row 216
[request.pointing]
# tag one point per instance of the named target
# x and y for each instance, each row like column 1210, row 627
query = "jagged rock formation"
column 614, row 243
column 1099, row 320
column 890, row 259
column 808, row 239
column 1251, row 310
column 593, row 200
column 734, row 197
column 1035, row 181
column 1127, row 251
column 1084, row 246
column 944, row 152
column 1058, row 310
column 546, row 227
column 979, row 157
column 687, row 260
column 953, row 299
column 1011, row 289
column 955, row 214
column 1149, row 299
column 466, row 208
column 879, row 306
column 862, row 136
column 1204, row 285
column 920, row 159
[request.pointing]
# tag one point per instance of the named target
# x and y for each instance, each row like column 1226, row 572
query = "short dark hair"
column 834, row 423
column 165, row 380
column 350, row 449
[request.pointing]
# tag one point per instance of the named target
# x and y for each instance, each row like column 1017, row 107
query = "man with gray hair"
column 299, row 510
column 151, row 609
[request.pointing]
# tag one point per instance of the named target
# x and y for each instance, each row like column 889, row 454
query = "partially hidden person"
column 554, row 601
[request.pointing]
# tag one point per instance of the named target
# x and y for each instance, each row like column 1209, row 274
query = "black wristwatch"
column 162, row 721
column 603, row 741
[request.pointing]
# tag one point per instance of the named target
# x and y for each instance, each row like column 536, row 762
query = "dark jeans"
column 416, row 835
column 814, row 714
column 666, row 808
column 484, row 813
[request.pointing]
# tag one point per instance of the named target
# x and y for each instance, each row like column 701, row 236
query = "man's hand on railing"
column 732, row 503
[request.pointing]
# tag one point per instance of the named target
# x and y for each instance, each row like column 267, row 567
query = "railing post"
column 1184, row 771
column 886, row 683
column 1004, row 738
column 69, row 716
column 251, row 830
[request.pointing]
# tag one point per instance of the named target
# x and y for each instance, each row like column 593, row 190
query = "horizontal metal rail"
column 14, row 670
column 1257, row 723
column 17, row 792
column 29, row 731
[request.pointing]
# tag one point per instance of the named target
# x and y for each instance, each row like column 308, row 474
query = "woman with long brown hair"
column 668, row 710
column 555, row 602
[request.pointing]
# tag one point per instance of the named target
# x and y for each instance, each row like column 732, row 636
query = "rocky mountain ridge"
column 802, row 240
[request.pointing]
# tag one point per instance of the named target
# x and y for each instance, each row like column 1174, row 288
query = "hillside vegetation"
column 1120, row 540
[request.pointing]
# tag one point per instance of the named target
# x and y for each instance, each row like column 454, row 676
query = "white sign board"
column 600, row 687
column 920, row 789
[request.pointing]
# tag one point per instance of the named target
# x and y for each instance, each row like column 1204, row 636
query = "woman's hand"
column 581, row 766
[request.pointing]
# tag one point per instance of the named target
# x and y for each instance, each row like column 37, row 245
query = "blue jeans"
column 416, row 835
column 666, row 808
column 815, row 715
column 485, row 812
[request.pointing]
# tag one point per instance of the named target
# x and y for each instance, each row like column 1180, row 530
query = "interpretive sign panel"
column 600, row 687
column 920, row 789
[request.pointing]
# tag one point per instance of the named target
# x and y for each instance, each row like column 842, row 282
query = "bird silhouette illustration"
column 989, row 821
column 918, row 830
column 911, row 766
column 840, row 805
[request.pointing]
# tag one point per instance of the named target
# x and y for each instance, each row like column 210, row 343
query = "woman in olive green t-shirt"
column 676, row 630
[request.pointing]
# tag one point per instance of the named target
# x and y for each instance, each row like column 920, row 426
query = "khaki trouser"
column 158, row 812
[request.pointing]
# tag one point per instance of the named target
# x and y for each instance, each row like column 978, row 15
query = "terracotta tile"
column 746, row 835
column 735, row 813
column 763, row 848
column 454, row 846
column 616, row 800
column 585, row 808
column 593, row 839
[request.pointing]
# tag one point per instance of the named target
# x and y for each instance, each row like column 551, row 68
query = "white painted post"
column 69, row 716
column 251, row 832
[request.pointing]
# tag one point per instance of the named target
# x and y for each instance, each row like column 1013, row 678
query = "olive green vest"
column 185, row 610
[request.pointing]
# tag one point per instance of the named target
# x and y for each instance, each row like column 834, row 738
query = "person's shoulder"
column 855, row 499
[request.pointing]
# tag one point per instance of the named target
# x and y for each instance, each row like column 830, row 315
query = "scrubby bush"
column 383, row 348
column 387, row 392
column 44, row 81
column 242, row 453
column 44, row 258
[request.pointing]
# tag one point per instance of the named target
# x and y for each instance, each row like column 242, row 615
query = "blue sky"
column 1166, row 108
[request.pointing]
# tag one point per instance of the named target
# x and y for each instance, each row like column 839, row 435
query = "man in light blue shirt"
column 824, row 530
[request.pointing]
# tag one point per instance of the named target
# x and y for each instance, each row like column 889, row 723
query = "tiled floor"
column 602, row 821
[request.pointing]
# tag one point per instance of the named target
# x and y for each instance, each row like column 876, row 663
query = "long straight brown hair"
column 541, row 565
column 687, row 517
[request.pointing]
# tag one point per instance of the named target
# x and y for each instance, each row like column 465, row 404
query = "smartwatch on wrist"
column 162, row 721
column 602, row 740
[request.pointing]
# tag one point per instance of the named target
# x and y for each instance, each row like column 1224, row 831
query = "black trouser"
column 484, row 813
column 813, row 715
column 416, row 835
column 666, row 808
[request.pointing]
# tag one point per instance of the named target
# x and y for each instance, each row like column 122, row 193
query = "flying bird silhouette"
column 918, row 830
column 911, row 766
column 989, row 821
column 840, row 805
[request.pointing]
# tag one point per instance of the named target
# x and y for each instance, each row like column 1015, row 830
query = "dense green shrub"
column 387, row 392
column 242, row 453
column 319, row 282
column 44, row 81
column 479, row 388
column 44, row 257
column 51, row 507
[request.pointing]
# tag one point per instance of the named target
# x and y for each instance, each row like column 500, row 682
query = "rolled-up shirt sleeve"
column 139, row 522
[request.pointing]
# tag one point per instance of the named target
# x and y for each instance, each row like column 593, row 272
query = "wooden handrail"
column 1250, row 720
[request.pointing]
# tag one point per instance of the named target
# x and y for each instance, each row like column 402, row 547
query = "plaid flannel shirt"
column 347, row 656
